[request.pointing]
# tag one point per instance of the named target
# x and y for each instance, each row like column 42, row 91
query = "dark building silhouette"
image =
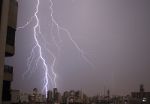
column 141, row 97
column 49, row 97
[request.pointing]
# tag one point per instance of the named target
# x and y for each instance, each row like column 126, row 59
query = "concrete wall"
column 3, row 32
column 8, row 12
column 12, row 21
column 13, row 9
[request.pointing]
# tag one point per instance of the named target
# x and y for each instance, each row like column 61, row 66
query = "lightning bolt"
column 37, row 32
column 69, row 35
column 38, row 46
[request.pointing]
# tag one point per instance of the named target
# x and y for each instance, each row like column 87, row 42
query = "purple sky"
column 114, row 34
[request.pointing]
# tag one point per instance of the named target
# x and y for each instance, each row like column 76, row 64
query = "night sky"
column 114, row 34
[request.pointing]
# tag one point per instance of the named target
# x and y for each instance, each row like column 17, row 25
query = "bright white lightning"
column 37, row 32
column 38, row 46
column 69, row 35
column 37, row 26
column 28, row 22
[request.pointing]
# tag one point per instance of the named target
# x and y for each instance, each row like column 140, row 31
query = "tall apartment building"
column 8, row 19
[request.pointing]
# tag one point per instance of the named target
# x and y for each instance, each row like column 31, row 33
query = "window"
column 8, row 69
column 6, row 91
column 10, row 36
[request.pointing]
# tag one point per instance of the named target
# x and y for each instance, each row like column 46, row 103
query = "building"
column 56, row 96
column 50, row 97
column 15, row 96
column 35, row 98
column 140, row 97
column 8, row 19
column 64, row 97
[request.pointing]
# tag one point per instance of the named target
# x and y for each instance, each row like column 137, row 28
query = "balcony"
column 10, row 42
column 8, row 73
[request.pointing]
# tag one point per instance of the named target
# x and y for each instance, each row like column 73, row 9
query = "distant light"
column 144, row 100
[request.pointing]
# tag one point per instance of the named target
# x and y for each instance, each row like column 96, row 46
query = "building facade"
column 8, row 20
